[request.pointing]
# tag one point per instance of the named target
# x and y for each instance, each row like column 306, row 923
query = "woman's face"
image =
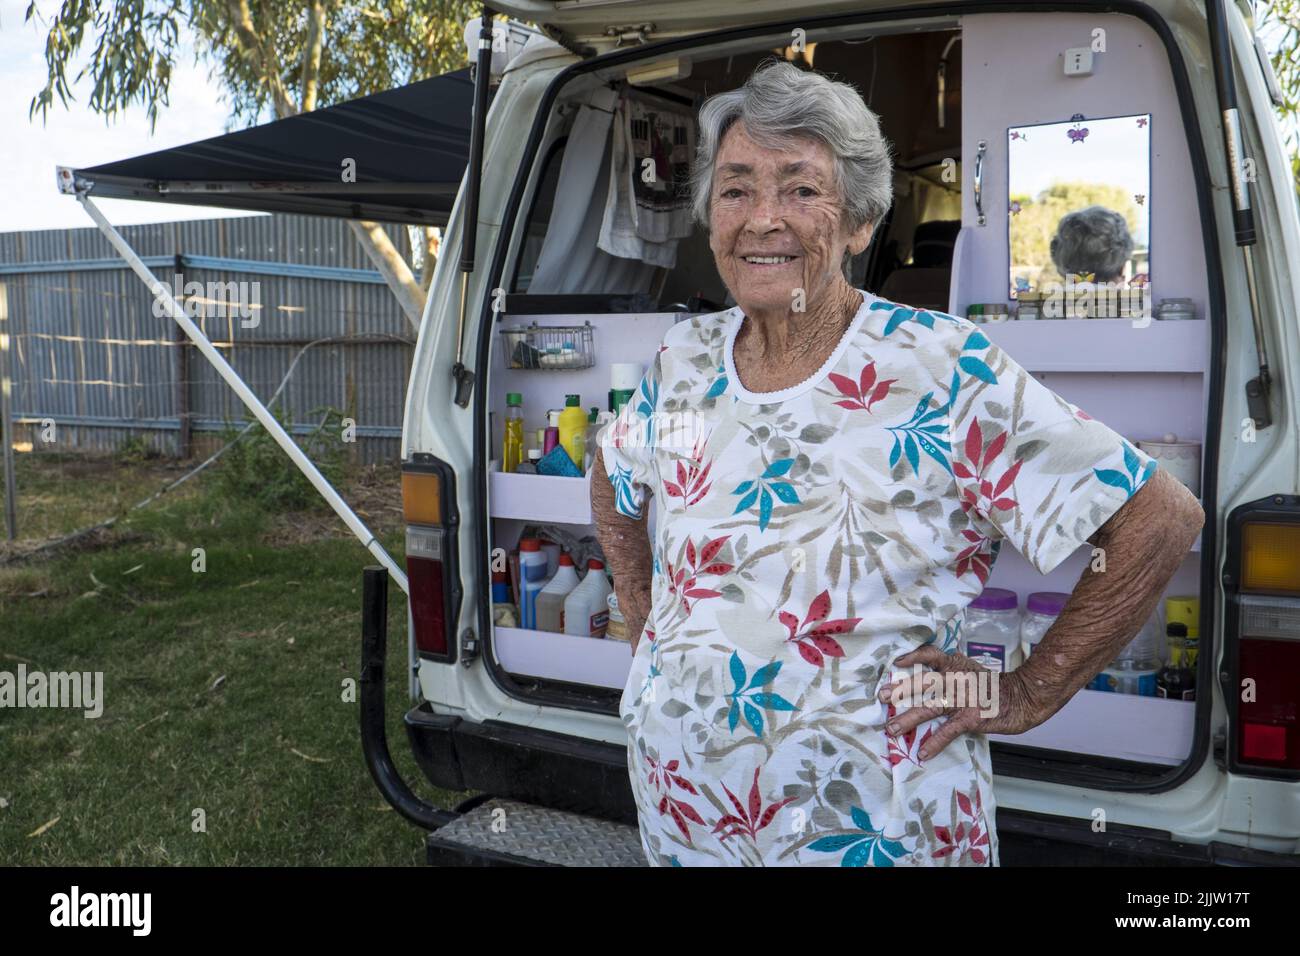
column 780, row 205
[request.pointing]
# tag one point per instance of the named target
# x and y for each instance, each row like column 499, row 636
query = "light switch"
column 1078, row 61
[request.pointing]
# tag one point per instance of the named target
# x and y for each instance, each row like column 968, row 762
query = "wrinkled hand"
column 1008, row 708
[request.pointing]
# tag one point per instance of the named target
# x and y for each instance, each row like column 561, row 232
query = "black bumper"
column 586, row 776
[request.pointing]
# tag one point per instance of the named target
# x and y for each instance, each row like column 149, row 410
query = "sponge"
column 558, row 462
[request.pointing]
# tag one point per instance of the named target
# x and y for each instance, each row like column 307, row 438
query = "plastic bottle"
column 532, row 578
column 1134, row 670
column 500, row 587
column 573, row 429
column 586, row 610
column 593, row 427
column 1041, row 610
column 552, row 552
column 512, row 445
column 550, row 602
column 992, row 630
column 1177, row 681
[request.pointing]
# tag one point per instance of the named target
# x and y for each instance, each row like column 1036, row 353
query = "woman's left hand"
column 1001, row 705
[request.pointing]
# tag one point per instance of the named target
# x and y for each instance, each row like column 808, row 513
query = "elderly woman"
column 834, row 475
column 1093, row 241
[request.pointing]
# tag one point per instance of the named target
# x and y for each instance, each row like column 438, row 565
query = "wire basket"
column 549, row 346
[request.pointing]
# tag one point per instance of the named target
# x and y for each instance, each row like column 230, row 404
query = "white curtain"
column 571, row 261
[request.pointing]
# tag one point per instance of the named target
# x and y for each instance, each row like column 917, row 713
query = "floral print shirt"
column 805, row 539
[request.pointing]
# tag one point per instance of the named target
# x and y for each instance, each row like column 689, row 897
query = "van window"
column 539, row 216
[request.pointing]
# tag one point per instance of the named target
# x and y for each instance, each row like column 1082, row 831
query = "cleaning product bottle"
column 573, row 429
column 550, row 603
column 512, row 446
column 586, row 609
column 590, row 443
column 532, row 578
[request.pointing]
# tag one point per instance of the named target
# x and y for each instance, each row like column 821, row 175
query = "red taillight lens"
column 428, row 504
column 1268, row 730
column 427, row 575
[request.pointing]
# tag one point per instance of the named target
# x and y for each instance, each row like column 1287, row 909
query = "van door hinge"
column 1219, row 748
column 638, row 33
column 468, row 647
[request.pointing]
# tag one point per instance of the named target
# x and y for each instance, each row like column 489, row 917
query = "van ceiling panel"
column 591, row 18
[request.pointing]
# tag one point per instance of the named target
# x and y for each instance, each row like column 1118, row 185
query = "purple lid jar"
column 1047, row 602
column 996, row 599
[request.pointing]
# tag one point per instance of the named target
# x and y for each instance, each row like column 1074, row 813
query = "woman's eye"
column 732, row 193
column 806, row 192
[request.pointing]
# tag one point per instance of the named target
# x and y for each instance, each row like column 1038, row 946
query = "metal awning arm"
column 224, row 369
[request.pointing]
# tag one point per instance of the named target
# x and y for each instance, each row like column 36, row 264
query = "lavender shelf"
column 544, row 499
column 1103, row 345
column 580, row 660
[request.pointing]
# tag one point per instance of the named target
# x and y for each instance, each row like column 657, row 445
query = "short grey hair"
column 1095, row 239
column 780, row 101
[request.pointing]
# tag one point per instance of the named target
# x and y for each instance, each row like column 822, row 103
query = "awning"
column 410, row 146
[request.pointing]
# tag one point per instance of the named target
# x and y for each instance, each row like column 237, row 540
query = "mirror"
column 1079, row 204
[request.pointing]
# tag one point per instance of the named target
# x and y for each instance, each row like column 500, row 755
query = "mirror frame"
column 1081, row 118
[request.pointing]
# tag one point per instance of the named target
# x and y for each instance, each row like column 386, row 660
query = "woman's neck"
column 799, row 340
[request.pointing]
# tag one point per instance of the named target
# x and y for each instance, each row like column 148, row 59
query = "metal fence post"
column 184, row 437
column 6, row 415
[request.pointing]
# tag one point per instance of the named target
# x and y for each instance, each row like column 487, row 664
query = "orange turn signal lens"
column 1270, row 557
column 422, row 497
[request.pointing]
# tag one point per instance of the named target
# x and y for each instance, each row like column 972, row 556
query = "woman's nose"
column 765, row 215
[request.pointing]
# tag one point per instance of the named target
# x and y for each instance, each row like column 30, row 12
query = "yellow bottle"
column 573, row 430
column 512, row 446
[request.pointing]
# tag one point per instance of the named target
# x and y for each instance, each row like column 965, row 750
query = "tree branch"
column 250, row 45
column 392, row 266
column 311, row 55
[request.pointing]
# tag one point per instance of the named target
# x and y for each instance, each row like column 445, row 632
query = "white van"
column 999, row 113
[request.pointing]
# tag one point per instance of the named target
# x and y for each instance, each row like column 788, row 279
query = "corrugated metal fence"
column 89, row 353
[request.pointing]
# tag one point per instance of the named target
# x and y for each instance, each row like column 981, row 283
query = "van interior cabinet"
column 1144, row 376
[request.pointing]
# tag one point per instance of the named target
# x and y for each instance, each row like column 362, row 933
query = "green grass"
column 223, row 689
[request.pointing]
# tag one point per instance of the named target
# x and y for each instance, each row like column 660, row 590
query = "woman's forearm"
column 627, row 551
column 1144, row 543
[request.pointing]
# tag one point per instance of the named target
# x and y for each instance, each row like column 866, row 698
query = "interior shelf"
column 541, row 499
column 1123, row 726
column 1102, row 345
column 578, row 660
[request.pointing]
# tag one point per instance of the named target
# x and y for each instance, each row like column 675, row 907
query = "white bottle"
column 532, row 578
column 586, row 609
column 550, row 603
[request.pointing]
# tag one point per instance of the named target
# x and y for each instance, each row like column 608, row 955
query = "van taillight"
column 1262, row 636
column 429, row 507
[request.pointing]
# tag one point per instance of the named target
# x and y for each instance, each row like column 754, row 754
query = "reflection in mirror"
column 1079, row 204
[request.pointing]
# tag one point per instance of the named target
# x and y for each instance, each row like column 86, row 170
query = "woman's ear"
column 860, row 238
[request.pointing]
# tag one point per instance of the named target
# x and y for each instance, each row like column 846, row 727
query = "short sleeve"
column 1030, row 467
column 627, row 446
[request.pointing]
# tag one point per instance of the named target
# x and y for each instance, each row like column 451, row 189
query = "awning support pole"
column 224, row 369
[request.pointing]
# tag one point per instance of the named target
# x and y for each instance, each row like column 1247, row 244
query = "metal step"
column 509, row 833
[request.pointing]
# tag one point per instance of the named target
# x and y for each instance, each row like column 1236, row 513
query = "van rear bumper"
column 591, row 777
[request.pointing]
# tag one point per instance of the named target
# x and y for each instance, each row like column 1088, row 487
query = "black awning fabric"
column 410, row 146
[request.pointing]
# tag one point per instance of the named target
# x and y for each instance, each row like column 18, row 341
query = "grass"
column 223, row 690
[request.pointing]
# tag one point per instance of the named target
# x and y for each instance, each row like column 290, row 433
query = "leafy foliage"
column 1279, row 25
column 255, row 470
column 307, row 54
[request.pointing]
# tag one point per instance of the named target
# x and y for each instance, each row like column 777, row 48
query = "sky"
column 77, row 136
